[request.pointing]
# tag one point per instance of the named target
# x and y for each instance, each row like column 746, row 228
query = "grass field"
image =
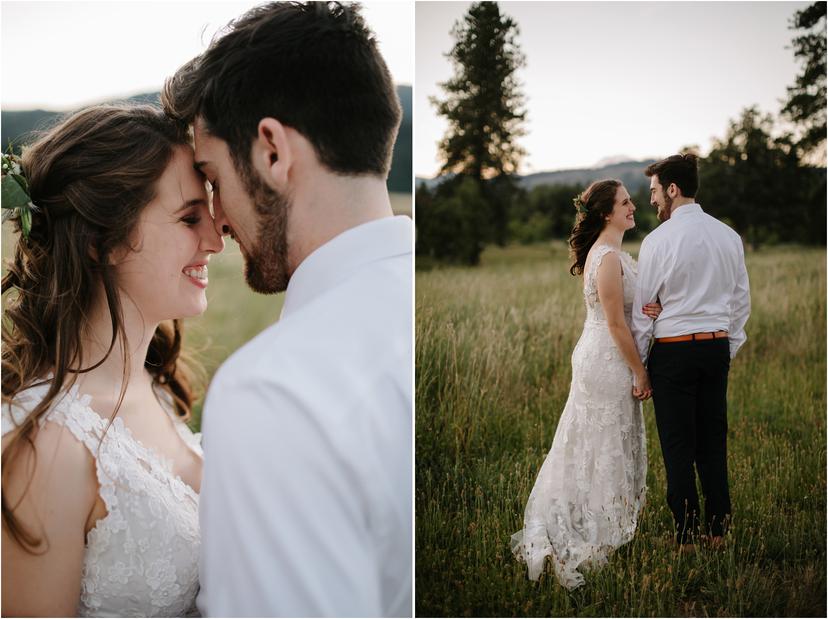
column 493, row 348
column 234, row 314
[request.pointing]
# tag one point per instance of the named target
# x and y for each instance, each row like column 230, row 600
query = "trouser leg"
column 674, row 398
column 711, row 432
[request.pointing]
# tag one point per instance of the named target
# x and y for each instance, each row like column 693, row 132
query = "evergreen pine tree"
column 484, row 109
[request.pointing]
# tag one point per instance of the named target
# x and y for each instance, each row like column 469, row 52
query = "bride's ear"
column 271, row 152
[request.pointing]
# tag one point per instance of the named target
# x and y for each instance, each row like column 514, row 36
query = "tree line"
column 766, row 176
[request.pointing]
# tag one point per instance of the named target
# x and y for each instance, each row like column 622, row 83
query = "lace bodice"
column 595, row 312
column 141, row 559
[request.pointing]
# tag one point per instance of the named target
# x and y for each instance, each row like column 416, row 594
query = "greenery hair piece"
column 15, row 198
column 579, row 205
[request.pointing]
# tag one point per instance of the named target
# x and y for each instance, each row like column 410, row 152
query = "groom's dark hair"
column 313, row 66
column 683, row 170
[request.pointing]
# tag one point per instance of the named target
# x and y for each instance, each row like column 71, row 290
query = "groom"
column 695, row 266
column 306, row 500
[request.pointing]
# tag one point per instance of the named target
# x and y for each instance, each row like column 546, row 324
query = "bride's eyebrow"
column 190, row 204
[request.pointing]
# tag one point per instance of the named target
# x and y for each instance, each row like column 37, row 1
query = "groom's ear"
column 271, row 153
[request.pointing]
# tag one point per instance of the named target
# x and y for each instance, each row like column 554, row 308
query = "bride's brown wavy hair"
column 90, row 177
column 596, row 203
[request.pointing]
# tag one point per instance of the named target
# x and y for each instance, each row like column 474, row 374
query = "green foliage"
column 493, row 347
column 544, row 213
column 452, row 222
column 483, row 102
column 806, row 103
column 755, row 182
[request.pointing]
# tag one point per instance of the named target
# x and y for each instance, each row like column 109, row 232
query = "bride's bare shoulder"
column 50, row 487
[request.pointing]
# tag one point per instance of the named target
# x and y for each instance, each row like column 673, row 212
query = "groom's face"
column 248, row 210
column 659, row 199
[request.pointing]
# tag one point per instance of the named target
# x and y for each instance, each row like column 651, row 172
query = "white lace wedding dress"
column 591, row 487
column 141, row 559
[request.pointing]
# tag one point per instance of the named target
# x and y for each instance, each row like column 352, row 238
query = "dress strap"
column 69, row 409
column 599, row 251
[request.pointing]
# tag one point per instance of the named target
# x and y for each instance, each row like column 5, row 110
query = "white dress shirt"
column 306, row 502
column 695, row 266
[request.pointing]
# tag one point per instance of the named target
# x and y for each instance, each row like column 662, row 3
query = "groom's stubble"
column 663, row 214
column 266, row 264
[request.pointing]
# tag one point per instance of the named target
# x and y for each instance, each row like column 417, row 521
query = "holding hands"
column 642, row 390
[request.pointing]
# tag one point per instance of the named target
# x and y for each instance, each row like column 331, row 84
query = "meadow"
column 493, row 348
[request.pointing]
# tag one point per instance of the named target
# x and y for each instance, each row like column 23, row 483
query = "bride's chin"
column 195, row 311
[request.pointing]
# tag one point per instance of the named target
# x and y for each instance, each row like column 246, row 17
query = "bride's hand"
column 652, row 310
column 642, row 389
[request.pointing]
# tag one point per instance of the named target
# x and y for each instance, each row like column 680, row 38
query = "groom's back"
column 308, row 444
column 699, row 259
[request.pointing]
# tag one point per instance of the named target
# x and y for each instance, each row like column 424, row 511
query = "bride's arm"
column 611, row 294
column 53, row 501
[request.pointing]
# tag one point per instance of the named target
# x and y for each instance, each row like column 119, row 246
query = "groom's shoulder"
column 655, row 238
column 360, row 316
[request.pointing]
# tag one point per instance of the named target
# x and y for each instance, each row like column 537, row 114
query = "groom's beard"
column 266, row 264
column 664, row 213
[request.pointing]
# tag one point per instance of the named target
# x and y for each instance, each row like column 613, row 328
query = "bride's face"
column 622, row 217
column 164, row 272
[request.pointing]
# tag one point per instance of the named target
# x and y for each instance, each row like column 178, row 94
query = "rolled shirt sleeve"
column 740, row 306
column 646, row 291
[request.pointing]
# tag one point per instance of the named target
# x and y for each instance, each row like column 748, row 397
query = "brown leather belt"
column 691, row 337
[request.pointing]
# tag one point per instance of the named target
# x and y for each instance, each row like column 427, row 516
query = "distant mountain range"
column 631, row 173
column 15, row 127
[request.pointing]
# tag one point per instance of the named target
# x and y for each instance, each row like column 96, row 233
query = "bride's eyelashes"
column 191, row 220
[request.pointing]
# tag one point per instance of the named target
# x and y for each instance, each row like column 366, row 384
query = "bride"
column 100, row 474
column 591, row 487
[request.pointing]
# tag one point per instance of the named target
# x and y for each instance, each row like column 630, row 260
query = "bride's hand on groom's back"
column 652, row 310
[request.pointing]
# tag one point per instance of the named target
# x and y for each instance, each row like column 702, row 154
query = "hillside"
column 631, row 173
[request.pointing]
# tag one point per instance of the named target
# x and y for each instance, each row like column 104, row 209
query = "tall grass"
column 492, row 375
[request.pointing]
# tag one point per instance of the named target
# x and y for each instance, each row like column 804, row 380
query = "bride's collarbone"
column 153, row 427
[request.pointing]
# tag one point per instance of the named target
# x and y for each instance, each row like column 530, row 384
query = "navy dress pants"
column 689, row 381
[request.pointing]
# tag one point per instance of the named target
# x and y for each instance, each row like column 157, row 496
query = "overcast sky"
column 640, row 79
column 61, row 55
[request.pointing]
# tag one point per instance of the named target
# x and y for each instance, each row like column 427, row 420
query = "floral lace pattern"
column 589, row 492
column 141, row 559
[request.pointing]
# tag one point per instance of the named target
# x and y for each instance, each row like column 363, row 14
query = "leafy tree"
column 806, row 103
column 451, row 221
column 544, row 213
column 754, row 182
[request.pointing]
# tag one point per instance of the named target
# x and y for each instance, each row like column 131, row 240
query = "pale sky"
column 640, row 79
column 62, row 55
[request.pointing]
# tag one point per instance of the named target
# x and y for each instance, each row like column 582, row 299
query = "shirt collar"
column 686, row 209
column 333, row 262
